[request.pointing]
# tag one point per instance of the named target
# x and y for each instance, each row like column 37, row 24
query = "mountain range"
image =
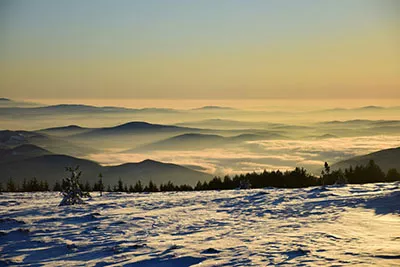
column 9, row 106
column 52, row 143
column 27, row 161
column 195, row 141
column 63, row 109
column 135, row 127
column 64, row 131
column 45, row 152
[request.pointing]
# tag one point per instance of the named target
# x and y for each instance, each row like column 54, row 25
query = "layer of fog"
column 260, row 155
column 290, row 135
column 12, row 120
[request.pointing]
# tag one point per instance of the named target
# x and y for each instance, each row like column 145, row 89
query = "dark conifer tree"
column 24, row 187
column 392, row 175
column 100, row 185
column 228, row 183
column 41, row 186
column 120, row 185
column 215, row 184
column 138, row 187
column 11, row 187
column 199, row 186
column 131, row 189
column 34, row 185
column 57, row 187
column 151, row 187
column 87, row 187
column 184, row 187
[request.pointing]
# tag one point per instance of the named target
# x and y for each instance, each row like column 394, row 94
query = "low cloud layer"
column 260, row 155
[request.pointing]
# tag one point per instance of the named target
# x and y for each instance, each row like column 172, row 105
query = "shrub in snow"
column 71, row 189
column 244, row 184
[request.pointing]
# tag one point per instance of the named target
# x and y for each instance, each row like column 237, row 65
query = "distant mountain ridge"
column 371, row 107
column 15, row 138
column 368, row 122
column 76, row 109
column 322, row 136
column 192, row 141
column 185, row 141
column 51, row 167
column 21, row 152
column 52, row 143
column 21, row 156
column 364, row 108
column 64, row 130
column 228, row 124
column 214, row 108
column 134, row 127
column 10, row 103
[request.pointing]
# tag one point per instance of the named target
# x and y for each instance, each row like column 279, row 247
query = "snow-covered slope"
column 351, row 225
column 386, row 159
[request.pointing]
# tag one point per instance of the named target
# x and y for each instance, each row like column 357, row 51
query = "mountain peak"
column 371, row 107
column 137, row 125
column 68, row 127
column 141, row 125
column 213, row 108
column 150, row 161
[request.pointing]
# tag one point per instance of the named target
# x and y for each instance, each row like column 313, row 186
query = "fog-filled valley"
column 204, row 141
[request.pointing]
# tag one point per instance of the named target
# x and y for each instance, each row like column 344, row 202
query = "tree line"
column 32, row 185
column 297, row 178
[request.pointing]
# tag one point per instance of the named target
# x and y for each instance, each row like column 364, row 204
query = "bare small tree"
column 100, row 184
column 71, row 190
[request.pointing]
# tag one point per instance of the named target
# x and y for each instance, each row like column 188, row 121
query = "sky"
column 206, row 49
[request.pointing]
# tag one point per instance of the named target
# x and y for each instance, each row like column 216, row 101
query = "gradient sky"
column 200, row 49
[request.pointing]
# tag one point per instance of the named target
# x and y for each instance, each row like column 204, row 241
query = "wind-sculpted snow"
column 349, row 225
